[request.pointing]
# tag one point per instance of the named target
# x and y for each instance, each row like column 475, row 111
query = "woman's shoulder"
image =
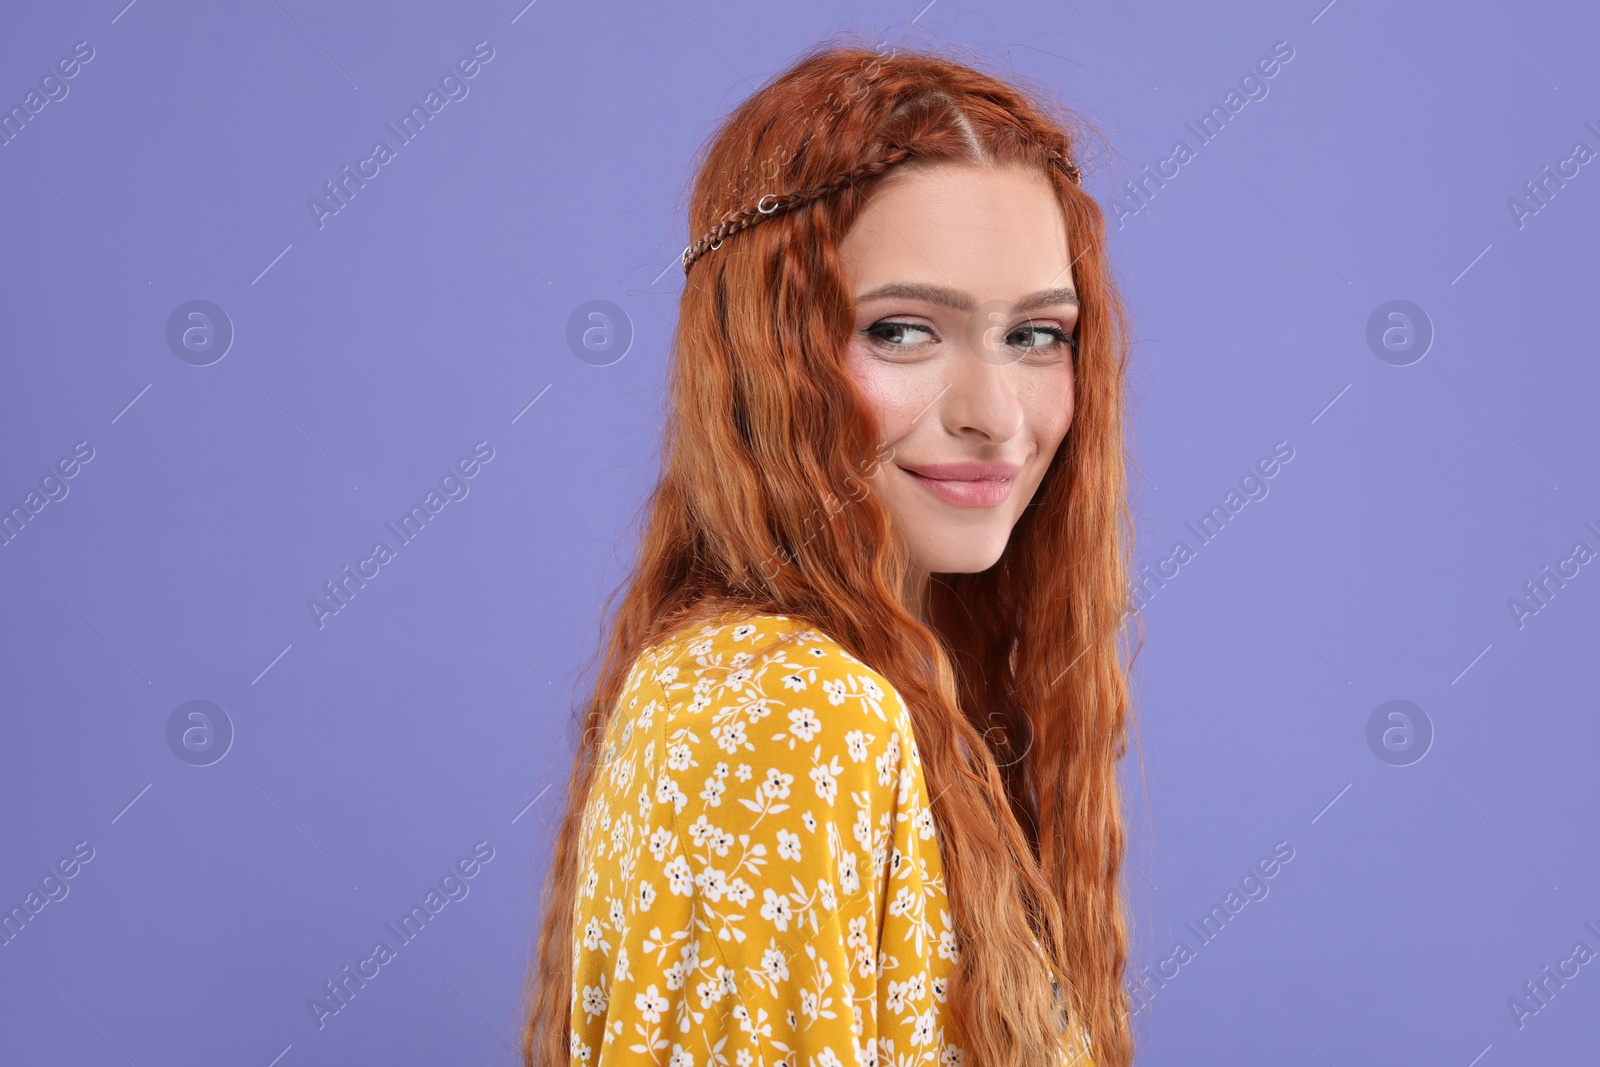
column 762, row 878
column 746, row 650
column 748, row 692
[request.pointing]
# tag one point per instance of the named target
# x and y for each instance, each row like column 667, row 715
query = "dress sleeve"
column 780, row 830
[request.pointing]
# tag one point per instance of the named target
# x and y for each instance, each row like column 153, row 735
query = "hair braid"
column 735, row 221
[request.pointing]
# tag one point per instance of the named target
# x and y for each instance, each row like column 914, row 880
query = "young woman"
column 846, row 789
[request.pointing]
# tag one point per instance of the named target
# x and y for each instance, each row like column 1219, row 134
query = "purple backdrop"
column 1377, row 260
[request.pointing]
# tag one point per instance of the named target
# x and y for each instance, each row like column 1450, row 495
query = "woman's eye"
column 1045, row 340
column 898, row 334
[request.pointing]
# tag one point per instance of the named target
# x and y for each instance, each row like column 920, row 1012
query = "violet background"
column 432, row 312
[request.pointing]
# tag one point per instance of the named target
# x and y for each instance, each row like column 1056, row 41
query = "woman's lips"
column 966, row 485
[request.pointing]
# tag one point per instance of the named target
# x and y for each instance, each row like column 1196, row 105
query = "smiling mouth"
column 967, row 485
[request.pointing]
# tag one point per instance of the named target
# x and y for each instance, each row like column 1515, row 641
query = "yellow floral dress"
column 761, row 881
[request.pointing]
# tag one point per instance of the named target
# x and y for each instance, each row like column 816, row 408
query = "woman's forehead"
column 992, row 233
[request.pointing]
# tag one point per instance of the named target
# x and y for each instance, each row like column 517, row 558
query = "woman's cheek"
column 1050, row 408
column 898, row 393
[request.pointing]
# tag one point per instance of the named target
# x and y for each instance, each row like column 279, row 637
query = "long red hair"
column 1017, row 683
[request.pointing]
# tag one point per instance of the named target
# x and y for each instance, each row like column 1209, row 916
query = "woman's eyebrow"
column 960, row 301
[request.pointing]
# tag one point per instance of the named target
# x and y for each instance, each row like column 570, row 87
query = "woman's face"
column 963, row 294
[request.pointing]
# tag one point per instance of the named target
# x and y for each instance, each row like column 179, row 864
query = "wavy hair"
column 1016, row 682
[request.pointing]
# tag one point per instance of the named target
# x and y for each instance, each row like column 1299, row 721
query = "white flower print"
column 712, row 793
column 713, row 883
column 906, row 781
column 730, row 737
column 889, row 763
column 862, row 828
column 776, row 909
column 826, row 777
column 650, row 1004
column 856, row 743
column 788, row 845
column 849, row 880
column 776, row 784
column 804, row 724
column 901, row 904
column 679, row 878
column 773, row 964
column 709, row 992
column 741, row 892
column 896, row 1000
